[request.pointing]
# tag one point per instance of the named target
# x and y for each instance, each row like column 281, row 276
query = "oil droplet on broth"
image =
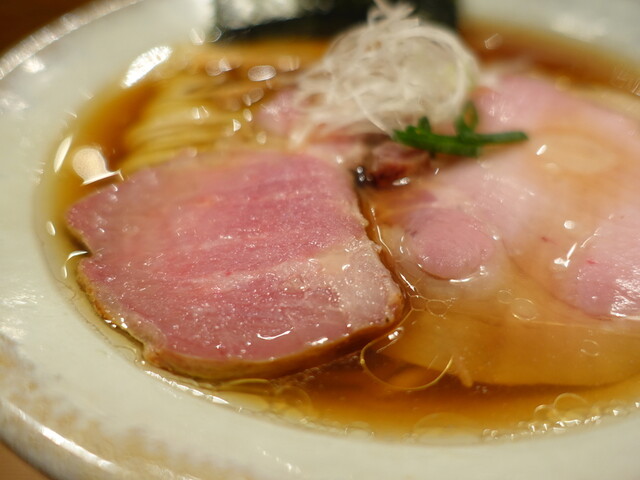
column 438, row 308
column 524, row 309
column 361, row 430
column 505, row 297
column 293, row 403
column 567, row 410
column 590, row 348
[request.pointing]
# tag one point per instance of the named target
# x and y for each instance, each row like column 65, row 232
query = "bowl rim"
column 33, row 405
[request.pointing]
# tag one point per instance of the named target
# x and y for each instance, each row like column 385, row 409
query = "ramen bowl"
column 79, row 406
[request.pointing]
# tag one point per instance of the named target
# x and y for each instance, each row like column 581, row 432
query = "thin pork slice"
column 247, row 264
column 525, row 264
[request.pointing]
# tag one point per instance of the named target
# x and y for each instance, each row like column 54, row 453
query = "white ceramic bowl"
column 77, row 408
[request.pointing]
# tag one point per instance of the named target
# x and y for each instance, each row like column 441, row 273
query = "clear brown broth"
column 340, row 396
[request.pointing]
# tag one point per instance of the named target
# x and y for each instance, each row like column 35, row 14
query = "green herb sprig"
column 466, row 143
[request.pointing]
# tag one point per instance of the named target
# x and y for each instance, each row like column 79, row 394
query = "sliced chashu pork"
column 243, row 264
column 524, row 264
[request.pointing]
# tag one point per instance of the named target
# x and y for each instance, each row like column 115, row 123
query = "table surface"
column 18, row 18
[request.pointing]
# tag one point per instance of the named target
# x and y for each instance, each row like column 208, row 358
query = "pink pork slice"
column 255, row 264
column 564, row 206
column 532, row 251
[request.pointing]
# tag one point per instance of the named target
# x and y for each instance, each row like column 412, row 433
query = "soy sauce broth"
column 341, row 396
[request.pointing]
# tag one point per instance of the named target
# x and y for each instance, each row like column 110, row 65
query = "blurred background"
column 18, row 18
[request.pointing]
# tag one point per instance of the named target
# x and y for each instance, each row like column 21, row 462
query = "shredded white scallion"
column 385, row 75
